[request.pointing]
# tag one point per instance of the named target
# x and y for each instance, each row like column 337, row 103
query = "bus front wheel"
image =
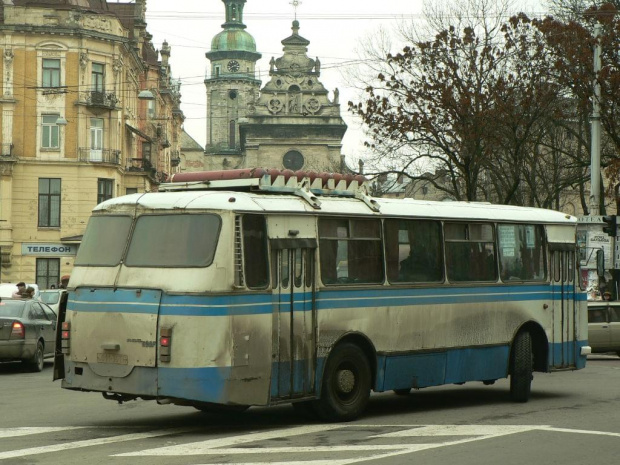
column 346, row 384
column 521, row 367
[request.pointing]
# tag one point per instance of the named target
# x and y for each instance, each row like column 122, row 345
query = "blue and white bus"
column 261, row 287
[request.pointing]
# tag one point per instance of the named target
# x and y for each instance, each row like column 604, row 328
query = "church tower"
column 231, row 87
column 293, row 124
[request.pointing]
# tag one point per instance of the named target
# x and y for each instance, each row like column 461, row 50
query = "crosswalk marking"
column 89, row 442
column 26, row 431
column 459, row 430
column 222, row 446
column 205, row 447
column 250, row 444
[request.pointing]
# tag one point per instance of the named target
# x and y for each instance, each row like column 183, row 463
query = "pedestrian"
column 21, row 288
column 607, row 295
column 28, row 293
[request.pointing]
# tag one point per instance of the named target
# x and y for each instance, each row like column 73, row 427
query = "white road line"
column 579, row 431
column 459, row 430
column 205, row 447
column 90, row 442
column 303, row 462
column 25, row 431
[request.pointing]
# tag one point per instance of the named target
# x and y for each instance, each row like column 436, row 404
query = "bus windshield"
column 104, row 241
column 174, row 240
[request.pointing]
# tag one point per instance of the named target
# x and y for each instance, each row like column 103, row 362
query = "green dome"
column 233, row 40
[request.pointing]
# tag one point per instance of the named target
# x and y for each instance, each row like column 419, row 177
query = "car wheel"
column 346, row 384
column 521, row 364
column 36, row 362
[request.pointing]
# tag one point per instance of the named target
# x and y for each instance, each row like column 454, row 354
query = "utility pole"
column 595, row 160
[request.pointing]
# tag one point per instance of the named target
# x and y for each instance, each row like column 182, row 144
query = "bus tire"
column 521, row 367
column 346, row 384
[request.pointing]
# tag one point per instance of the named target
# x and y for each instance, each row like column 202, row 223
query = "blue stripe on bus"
column 129, row 301
column 415, row 370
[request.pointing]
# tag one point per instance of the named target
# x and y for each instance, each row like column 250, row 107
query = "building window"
column 96, row 77
column 51, row 72
column 150, row 108
column 105, row 189
column 131, row 190
column 48, row 272
column 146, row 155
column 50, row 132
column 231, row 136
column 49, row 202
column 96, row 139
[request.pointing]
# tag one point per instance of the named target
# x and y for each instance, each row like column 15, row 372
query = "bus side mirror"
column 600, row 262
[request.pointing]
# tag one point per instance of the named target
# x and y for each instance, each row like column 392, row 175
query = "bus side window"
column 255, row 249
column 521, row 252
column 350, row 251
column 470, row 252
column 413, row 249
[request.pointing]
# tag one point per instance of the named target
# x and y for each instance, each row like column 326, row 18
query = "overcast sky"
column 333, row 27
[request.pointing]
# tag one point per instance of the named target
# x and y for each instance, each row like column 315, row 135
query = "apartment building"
column 89, row 112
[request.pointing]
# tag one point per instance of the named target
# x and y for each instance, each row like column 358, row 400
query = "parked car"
column 7, row 290
column 52, row 297
column 604, row 326
column 27, row 332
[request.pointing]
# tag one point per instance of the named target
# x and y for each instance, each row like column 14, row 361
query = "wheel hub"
column 345, row 381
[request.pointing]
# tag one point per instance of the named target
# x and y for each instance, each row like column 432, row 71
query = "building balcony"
column 99, row 99
column 107, row 156
column 139, row 165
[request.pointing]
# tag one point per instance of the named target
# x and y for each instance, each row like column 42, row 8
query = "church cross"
column 295, row 4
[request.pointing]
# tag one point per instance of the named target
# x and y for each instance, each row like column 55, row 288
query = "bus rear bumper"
column 139, row 382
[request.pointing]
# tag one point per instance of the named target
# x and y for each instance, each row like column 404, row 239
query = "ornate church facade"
column 289, row 123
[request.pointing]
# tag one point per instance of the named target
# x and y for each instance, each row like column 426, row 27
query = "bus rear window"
column 174, row 241
column 104, row 241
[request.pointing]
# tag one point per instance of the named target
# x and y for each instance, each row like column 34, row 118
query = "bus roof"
column 180, row 201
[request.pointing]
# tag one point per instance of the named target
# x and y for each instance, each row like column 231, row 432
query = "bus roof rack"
column 305, row 184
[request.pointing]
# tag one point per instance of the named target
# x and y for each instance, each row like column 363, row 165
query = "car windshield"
column 50, row 297
column 12, row 308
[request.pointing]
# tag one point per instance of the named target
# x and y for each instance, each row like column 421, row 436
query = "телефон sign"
column 49, row 250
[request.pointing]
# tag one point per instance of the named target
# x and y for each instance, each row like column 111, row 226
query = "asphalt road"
column 572, row 418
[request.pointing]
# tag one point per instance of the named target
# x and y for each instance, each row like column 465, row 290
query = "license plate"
column 118, row 359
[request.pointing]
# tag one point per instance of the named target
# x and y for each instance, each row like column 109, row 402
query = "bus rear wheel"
column 521, row 367
column 346, row 384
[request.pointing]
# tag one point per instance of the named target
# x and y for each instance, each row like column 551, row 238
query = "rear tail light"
column 65, row 337
column 165, row 341
column 17, row 331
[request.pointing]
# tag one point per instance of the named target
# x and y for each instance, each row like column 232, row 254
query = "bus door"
column 294, row 318
column 564, row 307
